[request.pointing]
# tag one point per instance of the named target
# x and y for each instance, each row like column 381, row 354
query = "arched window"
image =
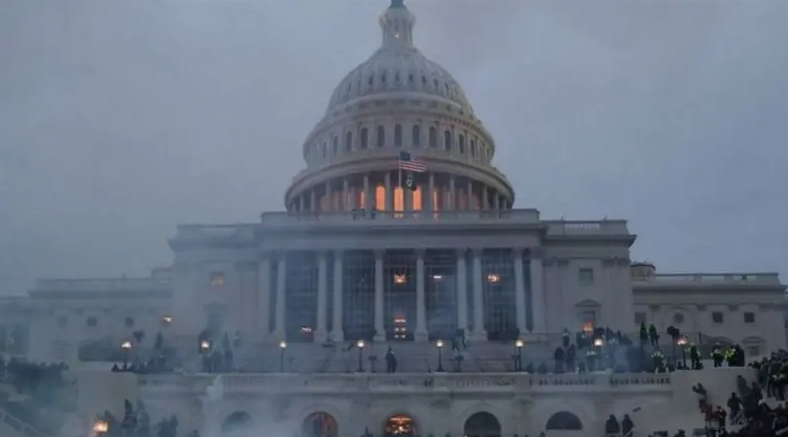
column 335, row 144
column 236, row 421
column 473, row 147
column 324, row 149
column 397, row 135
column 320, row 425
column 364, row 138
column 461, row 141
column 348, row 142
column 564, row 420
column 433, row 137
column 482, row 424
column 447, row 141
column 416, row 134
column 381, row 136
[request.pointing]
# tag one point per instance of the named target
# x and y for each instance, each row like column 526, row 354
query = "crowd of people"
column 36, row 393
column 135, row 423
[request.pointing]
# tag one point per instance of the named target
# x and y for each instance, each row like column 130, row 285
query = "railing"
column 103, row 285
column 433, row 382
column 24, row 429
column 707, row 278
column 292, row 220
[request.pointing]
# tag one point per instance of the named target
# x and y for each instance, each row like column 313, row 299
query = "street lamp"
column 599, row 342
column 360, row 346
column 519, row 364
column 682, row 342
column 439, row 344
column 100, row 428
column 205, row 347
column 282, row 349
column 126, row 346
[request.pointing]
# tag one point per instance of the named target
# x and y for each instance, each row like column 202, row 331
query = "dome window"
column 447, row 141
column 410, row 78
column 424, row 80
column 381, row 136
column 383, row 77
column 397, row 135
column 435, row 84
column 461, row 142
column 364, row 138
column 433, row 137
column 416, row 134
column 371, row 80
column 447, row 89
column 335, row 145
column 396, row 76
column 324, row 149
column 348, row 142
column 473, row 147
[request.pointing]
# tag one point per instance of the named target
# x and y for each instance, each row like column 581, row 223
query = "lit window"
column 437, row 277
column 588, row 327
column 166, row 320
column 588, row 317
column 585, row 276
column 306, row 329
column 493, row 278
column 217, row 280
column 400, row 279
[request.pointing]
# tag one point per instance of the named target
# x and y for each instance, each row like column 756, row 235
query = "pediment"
column 588, row 303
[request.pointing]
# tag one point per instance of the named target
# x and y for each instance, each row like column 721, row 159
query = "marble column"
column 321, row 333
column 478, row 297
column 519, row 289
column 538, row 307
column 337, row 333
column 264, row 295
column 389, row 192
column 380, row 330
column 421, row 310
column 281, row 276
column 462, row 291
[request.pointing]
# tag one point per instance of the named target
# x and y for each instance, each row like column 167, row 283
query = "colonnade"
column 382, row 191
column 333, row 327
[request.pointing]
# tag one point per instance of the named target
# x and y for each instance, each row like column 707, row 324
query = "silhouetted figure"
column 612, row 426
column 653, row 335
column 717, row 356
column 627, row 426
column 735, row 405
column 391, row 361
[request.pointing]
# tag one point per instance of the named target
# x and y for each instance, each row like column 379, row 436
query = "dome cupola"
column 398, row 101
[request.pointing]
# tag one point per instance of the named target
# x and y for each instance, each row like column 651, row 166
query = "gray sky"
column 121, row 119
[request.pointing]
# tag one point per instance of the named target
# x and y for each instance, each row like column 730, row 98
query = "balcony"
column 707, row 279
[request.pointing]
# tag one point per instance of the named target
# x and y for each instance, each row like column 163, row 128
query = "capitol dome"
column 399, row 103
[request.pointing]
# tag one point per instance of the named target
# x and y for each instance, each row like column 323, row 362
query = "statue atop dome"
column 395, row 4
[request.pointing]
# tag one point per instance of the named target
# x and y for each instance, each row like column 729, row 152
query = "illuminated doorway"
column 400, row 425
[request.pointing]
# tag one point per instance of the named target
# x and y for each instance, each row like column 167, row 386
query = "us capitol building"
column 359, row 259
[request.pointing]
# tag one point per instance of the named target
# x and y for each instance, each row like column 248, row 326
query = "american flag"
column 408, row 162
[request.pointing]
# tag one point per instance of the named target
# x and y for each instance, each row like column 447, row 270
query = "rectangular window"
column 217, row 280
column 717, row 317
column 588, row 317
column 749, row 317
column 753, row 351
column 586, row 276
column 640, row 318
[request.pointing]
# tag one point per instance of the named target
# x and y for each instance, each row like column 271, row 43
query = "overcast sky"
column 121, row 119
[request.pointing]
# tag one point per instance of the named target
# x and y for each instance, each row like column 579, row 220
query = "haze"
column 121, row 119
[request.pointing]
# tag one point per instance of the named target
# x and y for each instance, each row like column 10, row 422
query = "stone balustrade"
column 102, row 285
column 410, row 383
column 675, row 279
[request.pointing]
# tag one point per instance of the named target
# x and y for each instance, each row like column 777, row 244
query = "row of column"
column 420, row 333
column 352, row 197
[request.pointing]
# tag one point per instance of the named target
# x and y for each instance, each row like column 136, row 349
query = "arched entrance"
column 400, row 425
column 319, row 425
column 482, row 424
column 236, row 421
column 564, row 421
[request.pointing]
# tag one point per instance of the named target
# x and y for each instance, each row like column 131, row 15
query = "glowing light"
column 126, row 344
column 205, row 345
column 439, row 343
column 682, row 341
column 360, row 344
column 588, row 327
column 282, row 345
column 400, row 279
column 167, row 319
column 100, row 427
column 598, row 342
column 519, row 343
column 437, row 277
column 493, row 278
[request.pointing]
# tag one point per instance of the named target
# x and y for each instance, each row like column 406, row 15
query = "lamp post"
column 439, row 344
column 682, row 342
column 126, row 347
column 205, row 348
column 360, row 346
column 518, row 365
column 282, row 349
column 100, row 428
